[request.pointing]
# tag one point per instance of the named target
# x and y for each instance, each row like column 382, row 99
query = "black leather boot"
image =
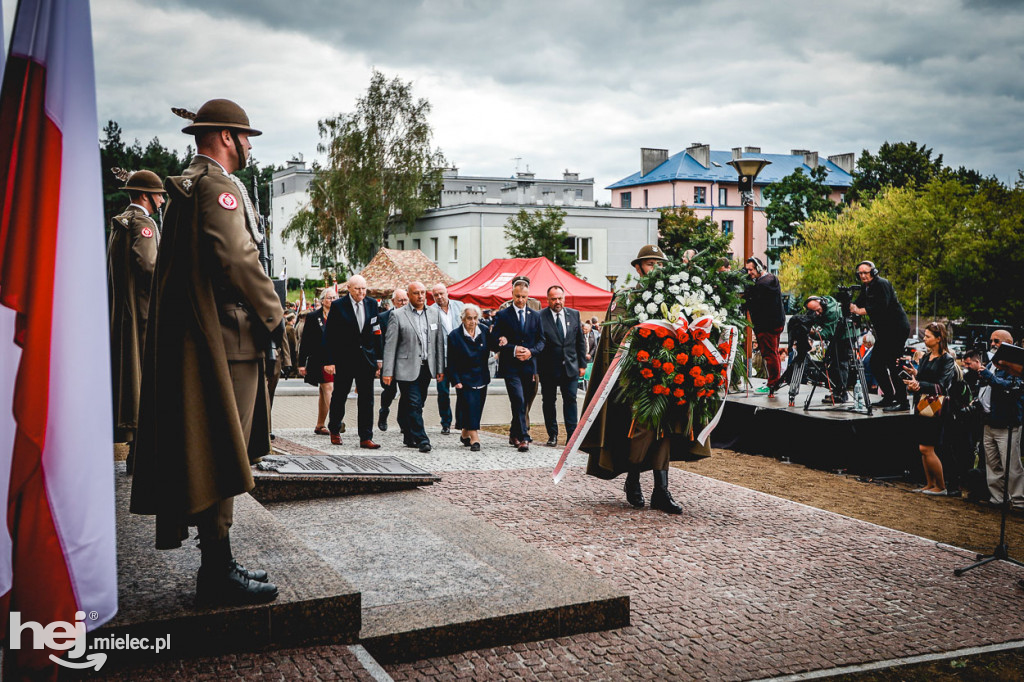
column 661, row 498
column 222, row 582
column 634, row 493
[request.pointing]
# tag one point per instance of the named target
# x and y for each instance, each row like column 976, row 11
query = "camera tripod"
column 804, row 360
column 1002, row 550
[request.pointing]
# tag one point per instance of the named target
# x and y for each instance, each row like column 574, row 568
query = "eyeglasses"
column 996, row 342
column 863, row 272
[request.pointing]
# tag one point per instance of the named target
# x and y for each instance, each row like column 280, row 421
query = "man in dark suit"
column 516, row 337
column 399, row 298
column 352, row 350
column 562, row 363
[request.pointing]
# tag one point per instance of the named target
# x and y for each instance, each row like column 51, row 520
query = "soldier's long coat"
column 131, row 257
column 212, row 303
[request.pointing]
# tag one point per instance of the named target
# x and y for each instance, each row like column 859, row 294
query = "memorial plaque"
column 356, row 465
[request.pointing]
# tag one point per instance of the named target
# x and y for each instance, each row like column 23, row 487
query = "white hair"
column 470, row 306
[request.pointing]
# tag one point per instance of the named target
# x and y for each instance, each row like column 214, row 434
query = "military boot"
column 661, row 498
column 634, row 493
column 223, row 582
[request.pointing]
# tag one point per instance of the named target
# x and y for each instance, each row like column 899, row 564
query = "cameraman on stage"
column 762, row 298
column 892, row 328
column 829, row 325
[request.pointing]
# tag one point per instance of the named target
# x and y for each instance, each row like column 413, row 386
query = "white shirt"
column 476, row 332
column 560, row 321
column 357, row 308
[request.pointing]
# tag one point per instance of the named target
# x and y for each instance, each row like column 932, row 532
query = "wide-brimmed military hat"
column 649, row 252
column 139, row 181
column 216, row 115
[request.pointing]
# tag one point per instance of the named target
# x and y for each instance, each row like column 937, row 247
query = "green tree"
column 794, row 199
column 541, row 233
column 114, row 152
column 680, row 229
column 897, row 164
column 381, row 171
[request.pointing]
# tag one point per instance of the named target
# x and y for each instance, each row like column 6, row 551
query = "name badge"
column 373, row 320
column 433, row 327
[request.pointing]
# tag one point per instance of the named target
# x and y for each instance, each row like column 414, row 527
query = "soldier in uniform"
column 615, row 444
column 204, row 412
column 131, row 257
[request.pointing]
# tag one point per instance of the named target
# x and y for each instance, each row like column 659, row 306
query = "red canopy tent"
column 492, row 286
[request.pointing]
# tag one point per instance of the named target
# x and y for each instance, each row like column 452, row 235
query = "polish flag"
column 60, row 557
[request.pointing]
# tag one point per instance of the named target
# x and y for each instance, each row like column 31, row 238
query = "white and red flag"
column 59, row 503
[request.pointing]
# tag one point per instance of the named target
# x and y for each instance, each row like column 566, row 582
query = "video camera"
column 844, row 296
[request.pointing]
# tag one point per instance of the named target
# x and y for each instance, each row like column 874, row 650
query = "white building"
column 289, row 195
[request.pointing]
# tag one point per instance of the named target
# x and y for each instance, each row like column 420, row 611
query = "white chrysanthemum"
column 660, row 284
column 696, row 280
column 674, row 289
column 707, row 288
column 659, row 297
column 638, row 308
column 646, row 296
column 716, row 299
column 642, row 317
column 674, row 279
column 652, row 308
column 685, row 276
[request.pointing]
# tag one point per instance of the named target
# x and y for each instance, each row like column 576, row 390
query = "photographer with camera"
column 878, row 301
column 763, row 300
column 1001, row 400
column 829, row 325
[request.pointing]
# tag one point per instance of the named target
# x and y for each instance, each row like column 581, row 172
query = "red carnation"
column 661, row 332
column 695, row 372
column 646, row 373
column 700, row 334
column 699, row 349
column 682, row 358
column 643, row 356
column 656, row 363
column 668, row 368
column 679, row 378
column 668, row 344
column 682, row 401
column 679, row 393
column 644, row 332
column 682, row 336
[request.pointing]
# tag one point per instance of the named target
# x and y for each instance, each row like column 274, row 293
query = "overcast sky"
column 582, row 85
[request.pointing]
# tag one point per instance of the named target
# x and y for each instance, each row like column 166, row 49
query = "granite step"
column 156, row 590
column 436, row 580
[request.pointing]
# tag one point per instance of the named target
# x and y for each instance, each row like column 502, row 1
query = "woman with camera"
column 934, row 376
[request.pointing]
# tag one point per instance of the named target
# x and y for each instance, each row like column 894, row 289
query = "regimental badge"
column 124, row 221
column 146, row 232
column 186, row 183
column 228, row 201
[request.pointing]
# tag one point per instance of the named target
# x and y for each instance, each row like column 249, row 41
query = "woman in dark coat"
column 934, row 376
column 468, row 372
column 311, row 357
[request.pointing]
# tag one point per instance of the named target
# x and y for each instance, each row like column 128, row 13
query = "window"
column 700, row 195
column 453, row 249
column 416, row 244
column 401, row 245
column 433, row 247
column 626, row 200
column 314, row 261
column 723, row 196
column 645, row 198
column 583, row 249
column 726, row 227
column 579, row 194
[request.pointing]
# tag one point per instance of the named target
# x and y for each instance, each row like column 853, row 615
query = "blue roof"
column 682, row 166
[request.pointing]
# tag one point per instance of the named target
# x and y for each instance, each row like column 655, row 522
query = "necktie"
column 359, row 315
column 522, row 319
column 558, row 327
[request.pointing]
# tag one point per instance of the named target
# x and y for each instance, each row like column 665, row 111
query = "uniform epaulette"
column 184, row 184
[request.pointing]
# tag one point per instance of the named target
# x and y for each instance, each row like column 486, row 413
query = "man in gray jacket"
column 413, row 354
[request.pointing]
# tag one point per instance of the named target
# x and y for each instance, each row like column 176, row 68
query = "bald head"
column 399, row 297
column 1002, row 336
column 417, row 295
column 440, row 293
column 357, row 287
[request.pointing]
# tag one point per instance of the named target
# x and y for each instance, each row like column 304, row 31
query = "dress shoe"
column 884, row 402
column 335, row 438
column 897, row 407
column 321, row 431
column 230, row 587
column 524, row 446
column 446, row 430
column 513, row 441
column 425, row 447
column 465, row 441
column 634, row 493
column 259, row 575
column 273, row 437
column 661, row 498
column 552, row 442
column 368, row 445
column 409, row 444
column 475, row 447
column 382, row 424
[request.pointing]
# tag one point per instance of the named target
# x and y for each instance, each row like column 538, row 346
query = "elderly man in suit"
column 413, row 354
column 399, row 298
column 352, row 351
column 451, row 317
column 562, row 363
column 516, row 337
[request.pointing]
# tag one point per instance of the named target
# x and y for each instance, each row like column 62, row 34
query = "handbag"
column 930, row 405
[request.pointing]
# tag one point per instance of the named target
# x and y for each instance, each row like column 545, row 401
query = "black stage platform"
column 823, row 437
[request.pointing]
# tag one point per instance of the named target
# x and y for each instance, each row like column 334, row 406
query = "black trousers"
column 410, row 406
column 549, row 389
column 517, row 385
column 444, row 402
column 838, row 357
column 387, row 397
column 343, row 379
column 888, row 348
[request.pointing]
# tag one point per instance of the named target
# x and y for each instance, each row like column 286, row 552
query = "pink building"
column 702, row 179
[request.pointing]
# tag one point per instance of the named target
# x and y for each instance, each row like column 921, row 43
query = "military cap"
column 649, row 252
column 144, row 181
column 215, row 115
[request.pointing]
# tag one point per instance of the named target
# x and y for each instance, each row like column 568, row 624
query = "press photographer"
column 828, row 325
column 878, row 301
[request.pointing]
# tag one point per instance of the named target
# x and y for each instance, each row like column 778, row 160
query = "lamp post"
column 611, row 281
column 748, row 170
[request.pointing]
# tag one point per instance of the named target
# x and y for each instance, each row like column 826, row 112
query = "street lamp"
column 748, row 170
column 611, row 281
